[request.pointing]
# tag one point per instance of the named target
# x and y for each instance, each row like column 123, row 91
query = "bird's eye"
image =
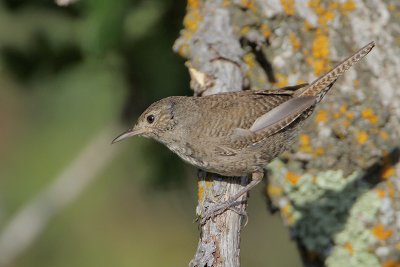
column 150, row 119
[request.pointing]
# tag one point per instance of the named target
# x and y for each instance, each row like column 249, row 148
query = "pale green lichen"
column 307, row 203
column 338, row 216
column 340, row 258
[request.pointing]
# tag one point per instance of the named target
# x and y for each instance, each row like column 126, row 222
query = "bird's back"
column 223, row 113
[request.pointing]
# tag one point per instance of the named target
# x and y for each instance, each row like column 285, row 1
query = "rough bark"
column 214, row 61
column 338, row 189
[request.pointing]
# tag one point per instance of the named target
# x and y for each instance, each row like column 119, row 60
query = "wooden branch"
column 214, row 62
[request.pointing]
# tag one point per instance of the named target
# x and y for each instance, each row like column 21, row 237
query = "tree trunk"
column 338, row 189
column 215, row 63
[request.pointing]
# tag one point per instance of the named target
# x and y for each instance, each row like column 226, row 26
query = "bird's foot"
column 218, row 209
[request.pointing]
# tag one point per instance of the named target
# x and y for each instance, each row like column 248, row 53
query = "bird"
column 236, row 133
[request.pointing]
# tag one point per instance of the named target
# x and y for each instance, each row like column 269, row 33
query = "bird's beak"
column 124, row 135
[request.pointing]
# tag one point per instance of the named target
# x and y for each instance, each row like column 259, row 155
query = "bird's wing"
column 288, row 90
column 221, row 114
column 278, row 118
column 291, row 88
column 268, row 124
column 282, row 115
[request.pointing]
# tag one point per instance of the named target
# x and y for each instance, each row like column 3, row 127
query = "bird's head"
column 154, row 121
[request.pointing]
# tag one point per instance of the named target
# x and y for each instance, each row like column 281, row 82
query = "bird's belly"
column 253, row 158
column 237, row 165
column 187, row 154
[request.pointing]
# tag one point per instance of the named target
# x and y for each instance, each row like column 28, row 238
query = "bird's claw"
column 221, row 208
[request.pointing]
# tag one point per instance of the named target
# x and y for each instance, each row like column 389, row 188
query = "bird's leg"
column 220, row 208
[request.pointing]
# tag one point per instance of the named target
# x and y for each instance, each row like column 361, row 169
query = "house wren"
column 239, row 133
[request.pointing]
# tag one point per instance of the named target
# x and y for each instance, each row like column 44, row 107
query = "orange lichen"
column 286, row 209
column 391, row 263
column 301, row 81
column 319, row 151
column 287, row 213
column 191, row 21
column 245, row 30
column 320, row 53
column 294, row 41
column 320, row 47
column 292, row 177
column 274, row 190
column 319, row 66
column 201, row 188
column 226, row 3
column 356, row 83
column 193, row 16
column 380, row 192
column 316, row 6
column 387, row 171
column 324, row 14
column 333, row 5
column 349, row 247
column 290, row 219
column 336, row 115
column 265, row 30
column 368, row 114
column 321, row 116
column 384, row 135
column 250, row 60
column 305, row 149
column 249, row 4
column 282, row 80
column 193, row 3
column 350, row 115
column 343, row 108
column 304, row 139
column 391, row 190
column 348, row 6
column 362, row 137
column 288, row 6
column 326, row 17
column 200, row 193
column 381, row 233
column 345, row 123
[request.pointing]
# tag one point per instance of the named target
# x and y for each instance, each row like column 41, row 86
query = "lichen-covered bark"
column 338, row 190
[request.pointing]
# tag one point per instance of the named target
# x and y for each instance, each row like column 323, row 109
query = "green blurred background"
column 69, row 73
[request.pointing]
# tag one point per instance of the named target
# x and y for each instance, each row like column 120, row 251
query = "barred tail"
column 322, row 85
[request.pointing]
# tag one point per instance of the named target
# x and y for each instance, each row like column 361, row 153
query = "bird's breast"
column 185, row 151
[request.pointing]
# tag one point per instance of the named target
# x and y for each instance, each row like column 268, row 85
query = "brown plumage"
column 238, row 133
